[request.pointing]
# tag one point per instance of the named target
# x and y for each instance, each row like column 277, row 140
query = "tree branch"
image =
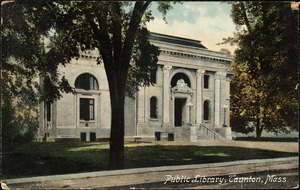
column 117, row 31
column 93, row 25
column 246, row 20
column 101, row 34
column 137, row 14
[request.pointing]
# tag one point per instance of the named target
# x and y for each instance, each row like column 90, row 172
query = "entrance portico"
column 181, row 97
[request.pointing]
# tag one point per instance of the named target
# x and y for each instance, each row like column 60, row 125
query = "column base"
column 166, row 125
column 143, row 129
column 193, row 134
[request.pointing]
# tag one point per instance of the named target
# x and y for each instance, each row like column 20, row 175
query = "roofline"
column 175, row 37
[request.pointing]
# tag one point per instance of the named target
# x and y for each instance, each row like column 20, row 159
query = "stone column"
column 218, row 106
column 227, row 100
column 141, row 127
column 166, row 95
column 199, row 103
column 141, row 105
column 193, row 134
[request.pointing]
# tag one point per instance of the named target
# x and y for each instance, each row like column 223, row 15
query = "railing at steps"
column 207, row 129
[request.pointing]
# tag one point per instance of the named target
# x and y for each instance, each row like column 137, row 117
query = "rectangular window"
column 87, row 108
column 206, row 81
column 153, row 76
column 47, row 109
column 153, row 107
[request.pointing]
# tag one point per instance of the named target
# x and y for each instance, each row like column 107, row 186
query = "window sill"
column 83, row 121
column 87, row 92
column 154, row 119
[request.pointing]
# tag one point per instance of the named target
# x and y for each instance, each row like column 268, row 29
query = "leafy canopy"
column 264, row 88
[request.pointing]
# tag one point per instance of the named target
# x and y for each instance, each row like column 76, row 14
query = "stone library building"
column 189, row 101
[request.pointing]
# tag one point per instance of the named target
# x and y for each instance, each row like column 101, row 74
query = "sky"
column 208, row 22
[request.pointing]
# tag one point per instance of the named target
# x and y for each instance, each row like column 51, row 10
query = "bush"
column 18, row 125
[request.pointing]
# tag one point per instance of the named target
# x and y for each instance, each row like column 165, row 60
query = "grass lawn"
column 269, row 139
column 44, row 158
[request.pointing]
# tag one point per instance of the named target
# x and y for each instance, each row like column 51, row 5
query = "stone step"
column 206, row 134
column 205, row 137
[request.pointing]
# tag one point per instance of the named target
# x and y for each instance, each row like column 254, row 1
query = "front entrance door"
column 179, row 112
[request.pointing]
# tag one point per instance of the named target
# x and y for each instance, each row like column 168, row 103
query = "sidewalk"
column 131, row 178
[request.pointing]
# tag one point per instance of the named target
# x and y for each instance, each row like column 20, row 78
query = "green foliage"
column 24, row 58
column 144, row 61
column 264, row 88
column 164, row 7
column 19, row 120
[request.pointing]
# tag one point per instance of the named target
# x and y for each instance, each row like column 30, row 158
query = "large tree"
column 116, row 30
column 23, row 59
column 264, row 87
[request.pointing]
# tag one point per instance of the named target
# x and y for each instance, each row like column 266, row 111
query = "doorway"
column 179, row 111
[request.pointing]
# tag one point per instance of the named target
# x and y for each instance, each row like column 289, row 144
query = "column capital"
column 167, row 68
column 221, row 74
column 200, row 72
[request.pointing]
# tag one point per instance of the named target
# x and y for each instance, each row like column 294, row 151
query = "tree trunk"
column 116, row 57
column 259, row 127
column 258, row 132
column 116, row 154
column 117, row 98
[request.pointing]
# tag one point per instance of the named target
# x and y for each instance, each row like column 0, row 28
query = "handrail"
column 207, row 129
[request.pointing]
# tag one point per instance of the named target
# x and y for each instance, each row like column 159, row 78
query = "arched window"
column 179, row 76
column 206, row 108
column 153, row 107
column 87, row 82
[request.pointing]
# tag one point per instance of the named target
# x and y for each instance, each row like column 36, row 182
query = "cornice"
column 195, row 56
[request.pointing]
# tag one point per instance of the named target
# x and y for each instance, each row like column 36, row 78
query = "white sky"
column 208, row 22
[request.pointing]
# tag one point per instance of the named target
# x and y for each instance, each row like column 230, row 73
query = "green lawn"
column 42, row 158
column 269, row 139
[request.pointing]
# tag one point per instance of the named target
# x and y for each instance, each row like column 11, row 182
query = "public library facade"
column 189, row 102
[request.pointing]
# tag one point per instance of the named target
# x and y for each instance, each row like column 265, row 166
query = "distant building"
column 189, row 101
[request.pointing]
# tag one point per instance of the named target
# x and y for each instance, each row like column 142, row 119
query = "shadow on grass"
column 268, row 139
column 38, row 159
column 184, row 155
